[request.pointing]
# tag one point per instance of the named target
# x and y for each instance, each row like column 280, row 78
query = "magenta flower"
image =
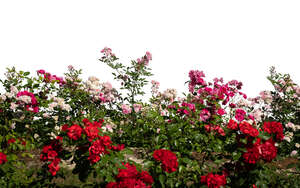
column 240, row 114
column 204, row 115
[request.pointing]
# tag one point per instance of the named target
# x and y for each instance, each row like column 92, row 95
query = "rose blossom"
column 240, row 114
column 137, row 107
column 74, row 132
column 294, row 153
column 126, row 109
column 204, row 115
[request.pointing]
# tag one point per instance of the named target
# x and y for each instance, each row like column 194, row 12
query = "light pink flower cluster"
column 107, row 52
column 145, row 59
column 154, row 87
column 266, row 96
column 107, row 92
column 126, row 109
column 137, row 107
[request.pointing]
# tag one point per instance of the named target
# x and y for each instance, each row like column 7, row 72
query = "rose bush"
column 212, row 136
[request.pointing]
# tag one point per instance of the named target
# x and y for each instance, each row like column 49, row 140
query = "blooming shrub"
column 213, row 136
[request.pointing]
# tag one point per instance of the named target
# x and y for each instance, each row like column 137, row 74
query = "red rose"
column 94, row 158
column 232, row 125
column 106, row 140
column 275, row 128
column 168, row 159
column 3, row 158
column 145, row 177
column 97, row 148
column 213, row 180
column 64, row 127
column 74, row 132
column 252, row 155
column 268, row 150
column 54, row 166
column 111, row 185
column 11, row 140
column 240, row 114
column 119, row 147
column 130, row 177
column 92, row 132
column 51, row 155
column 85, row 120
column 129, row 172
column 247, row 129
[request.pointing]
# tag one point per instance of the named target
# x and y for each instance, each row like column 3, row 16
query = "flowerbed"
column 213, row 136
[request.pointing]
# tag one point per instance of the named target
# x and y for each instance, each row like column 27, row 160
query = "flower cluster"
column 215, row 128
column 59, row 102
column 196, row 78
column 274, row 127
column 126, row 109
column 107, row 52
column 167, row 158
column 186, row 108
column 154, row 87
column 213, row 180
column 145, row 59
column 266, row 151
column 100, row 145
column 108, row 93
column 240, row 114
column 50, row 153
column 48, row 77
column 29, row 100
column 3, row 158
column 130, row 177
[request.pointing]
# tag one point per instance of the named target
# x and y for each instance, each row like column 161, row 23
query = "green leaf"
column 26, row 73
column 162, row 179
column 236, row 155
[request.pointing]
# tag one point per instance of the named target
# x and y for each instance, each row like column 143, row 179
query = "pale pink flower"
column 107, row 52
column 126, row 109
column 294, row 153
column 148, row 56
column 13, row 106
column 137, row 107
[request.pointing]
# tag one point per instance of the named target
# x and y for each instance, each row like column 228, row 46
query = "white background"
column 231, row 39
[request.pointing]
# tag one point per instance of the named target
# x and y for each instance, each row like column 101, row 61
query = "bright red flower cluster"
column 130, row 177
column 50, row 153
column 247, row 129
column 168, row 159
column 274, row 127
column 33, row 106
column 99, row 144
column 3, row 158
column 214, row 180
column 99, row 147
column 74, row 132
column 232, row 125
column 266, row 151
